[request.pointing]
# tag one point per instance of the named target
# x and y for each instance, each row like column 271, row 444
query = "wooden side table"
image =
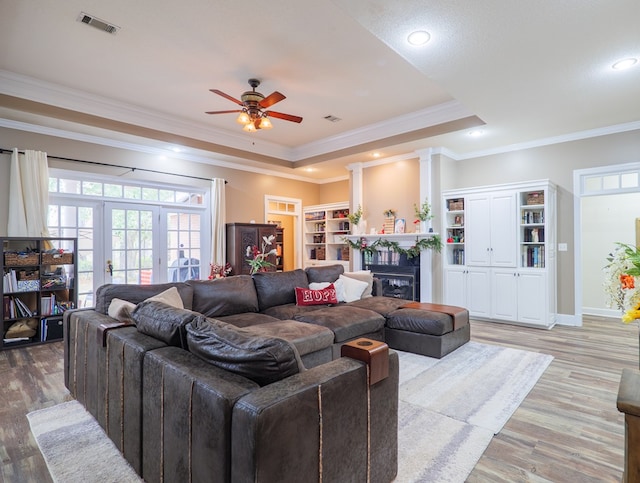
column 629, row 404
column 372, row 352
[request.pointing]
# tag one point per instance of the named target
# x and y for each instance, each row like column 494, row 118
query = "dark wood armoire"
column 243, row 235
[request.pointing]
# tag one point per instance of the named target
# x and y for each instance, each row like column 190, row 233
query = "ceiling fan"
column 253, row 114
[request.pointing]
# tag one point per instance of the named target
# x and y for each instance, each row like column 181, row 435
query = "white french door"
column 132, row 243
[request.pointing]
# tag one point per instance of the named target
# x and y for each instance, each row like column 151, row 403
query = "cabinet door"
column 532, row 304
column 478, row 292
column 478, row 230
column 504, row 230
column 504, row 295
column 455, row 287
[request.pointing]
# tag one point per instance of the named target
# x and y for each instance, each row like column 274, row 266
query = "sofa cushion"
column 323, row 296
column 420, row 321
column 224, row 296
column 262, row 359
column 363, row 276
column 247, row 319
column 324, row 273
column 349, row 289
column 380, row 304
column 306, row 338
column 278, row 288
column 289, row 311
column 120, row 309
column 135, row 293
column 345, row 321
column 163, row 322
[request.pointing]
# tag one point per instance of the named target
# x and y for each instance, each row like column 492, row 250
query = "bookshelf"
column 454, row 229
column 38, row 287
column 324, row 229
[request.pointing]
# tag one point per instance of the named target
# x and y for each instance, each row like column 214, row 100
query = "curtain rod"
column 96, row 163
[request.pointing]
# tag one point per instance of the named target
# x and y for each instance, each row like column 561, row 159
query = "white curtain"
column 218, row 220
column 28, row 194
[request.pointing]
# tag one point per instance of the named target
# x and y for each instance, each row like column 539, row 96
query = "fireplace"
column 399, row 277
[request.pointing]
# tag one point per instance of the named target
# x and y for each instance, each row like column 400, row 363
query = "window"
column 148, row 233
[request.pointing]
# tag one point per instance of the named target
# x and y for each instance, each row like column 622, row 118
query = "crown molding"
column 432, row 116
column 131, row 146
column 576, row 136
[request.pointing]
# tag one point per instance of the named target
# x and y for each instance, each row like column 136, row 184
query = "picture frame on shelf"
column 400, row 225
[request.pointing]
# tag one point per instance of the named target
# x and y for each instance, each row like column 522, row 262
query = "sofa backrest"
column 278, row 288
column 324, row 273
column 137, row 293
column 224, row 296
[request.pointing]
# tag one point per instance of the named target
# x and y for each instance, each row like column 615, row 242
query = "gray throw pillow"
column 262, row 359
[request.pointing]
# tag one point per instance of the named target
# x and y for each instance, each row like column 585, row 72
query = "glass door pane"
column 131, row 244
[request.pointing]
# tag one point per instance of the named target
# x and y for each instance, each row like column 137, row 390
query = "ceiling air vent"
column 332, row 118
column 97, row 23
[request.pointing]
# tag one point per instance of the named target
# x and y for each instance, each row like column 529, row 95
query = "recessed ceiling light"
column 376, row 154
column 476, row 133
column 176, row 149
column 419, row 37
column 624, row 63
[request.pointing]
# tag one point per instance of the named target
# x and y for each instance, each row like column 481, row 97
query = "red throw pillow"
column 306, row 296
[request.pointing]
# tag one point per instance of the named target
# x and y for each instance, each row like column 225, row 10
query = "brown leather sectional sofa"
column 242, row 384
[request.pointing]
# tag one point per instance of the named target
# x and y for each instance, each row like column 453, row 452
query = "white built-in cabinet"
column 500, row 254
column 325, row 227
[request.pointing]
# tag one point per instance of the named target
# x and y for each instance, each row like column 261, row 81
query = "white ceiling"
column 529, row 70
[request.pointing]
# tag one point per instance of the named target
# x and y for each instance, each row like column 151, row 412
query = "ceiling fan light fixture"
column 419, row 37
column 243, row 118
column 265, row 123
column 249, row 127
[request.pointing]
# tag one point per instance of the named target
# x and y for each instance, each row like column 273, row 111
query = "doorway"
column 287, row 213
column 606, row 206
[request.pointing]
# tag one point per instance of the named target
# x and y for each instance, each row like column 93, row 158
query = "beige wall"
column 335, row 192
column 393, row 186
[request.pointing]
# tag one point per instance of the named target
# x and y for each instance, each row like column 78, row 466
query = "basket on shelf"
column 456, row 205
column 57, row 258
column 21, row 259
column 344, row 253
column 535, row 198
column 320, row 254
column 32, row 275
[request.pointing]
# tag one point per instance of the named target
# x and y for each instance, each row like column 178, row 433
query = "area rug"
column 75, row 447
column 450, row 408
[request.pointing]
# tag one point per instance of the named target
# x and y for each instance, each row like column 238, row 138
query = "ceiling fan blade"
column 286, row 117
column 271, row 99
column 223, row 112
column 226, row 96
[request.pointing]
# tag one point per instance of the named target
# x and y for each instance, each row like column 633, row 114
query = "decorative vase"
column 423, row 227
column 362, row 227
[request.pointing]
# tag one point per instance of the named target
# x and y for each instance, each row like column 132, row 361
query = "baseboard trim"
column 569, row 320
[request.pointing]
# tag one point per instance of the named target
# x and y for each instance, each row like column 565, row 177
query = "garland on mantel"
column 432, row 243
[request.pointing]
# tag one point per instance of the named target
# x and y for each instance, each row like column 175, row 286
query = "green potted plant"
column 423, row 214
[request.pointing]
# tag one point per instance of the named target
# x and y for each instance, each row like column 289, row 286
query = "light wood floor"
column 567, row 430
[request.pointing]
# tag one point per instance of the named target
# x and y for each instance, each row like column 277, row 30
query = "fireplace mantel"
column 405, row 240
